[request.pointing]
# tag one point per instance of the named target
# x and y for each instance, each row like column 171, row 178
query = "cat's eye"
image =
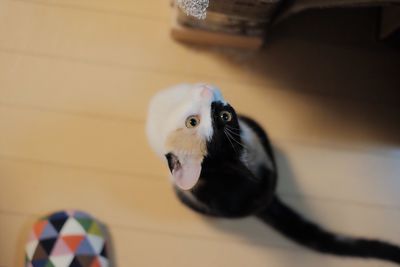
column 225, row 116
column 192, row 121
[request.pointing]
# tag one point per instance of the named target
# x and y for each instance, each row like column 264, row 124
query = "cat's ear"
column 185, row 170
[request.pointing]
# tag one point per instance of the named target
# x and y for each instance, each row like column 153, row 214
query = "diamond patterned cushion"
column 67, row 239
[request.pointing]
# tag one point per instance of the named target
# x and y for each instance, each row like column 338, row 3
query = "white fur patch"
column 254, row 155
column 166, row 121
column 170, row 108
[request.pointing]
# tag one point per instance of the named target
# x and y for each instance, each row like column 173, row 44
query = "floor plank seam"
column 161, row 179
column 340, row 201
column 84, row 114
column 130, row 175
column 129, row 120
column 96, row 10
column 151, row 231
column 199, row 76
column 117, row 65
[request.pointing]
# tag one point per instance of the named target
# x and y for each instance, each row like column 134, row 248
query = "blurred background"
column 75, row 81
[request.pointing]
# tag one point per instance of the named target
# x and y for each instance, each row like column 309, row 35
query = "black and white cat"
column 222, row 164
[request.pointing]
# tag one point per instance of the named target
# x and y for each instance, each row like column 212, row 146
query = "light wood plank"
column 177, row 252
column 123, row 94
column 126, row 201
column 15, row 229
column 121, row 41
column 150, row 205
column 138, row 248
column 67, row 139
column 101, row 38
column 75, row 80
column 121, row 147
column 150, row 9
column 338, row 174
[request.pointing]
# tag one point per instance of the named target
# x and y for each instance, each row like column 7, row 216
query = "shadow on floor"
column 333, row 54
column 257, row 233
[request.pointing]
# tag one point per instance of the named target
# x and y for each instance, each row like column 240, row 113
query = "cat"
column 222, row 164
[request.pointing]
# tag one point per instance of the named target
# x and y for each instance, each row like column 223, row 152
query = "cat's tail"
column 295, row 227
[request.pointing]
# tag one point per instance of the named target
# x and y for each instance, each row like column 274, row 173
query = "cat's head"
column 187, row 123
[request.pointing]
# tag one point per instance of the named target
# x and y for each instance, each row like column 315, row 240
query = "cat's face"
column 185, row 124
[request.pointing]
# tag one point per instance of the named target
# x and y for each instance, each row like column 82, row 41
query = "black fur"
column 227, row 188
column 306, row 233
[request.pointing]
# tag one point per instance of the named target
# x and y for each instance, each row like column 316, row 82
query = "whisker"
column 232, row 128
column 239, row 143
column 232, row 132
column 227, row 136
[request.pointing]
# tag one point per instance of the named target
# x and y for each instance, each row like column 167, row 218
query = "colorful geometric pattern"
column 66, row 239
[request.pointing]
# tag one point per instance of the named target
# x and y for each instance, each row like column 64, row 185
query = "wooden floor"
column 75, row 80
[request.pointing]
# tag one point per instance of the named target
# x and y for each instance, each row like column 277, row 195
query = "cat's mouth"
column 185, row 169
column 173, row 162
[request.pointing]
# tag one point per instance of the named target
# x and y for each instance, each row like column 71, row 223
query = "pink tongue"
column 188, row 174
